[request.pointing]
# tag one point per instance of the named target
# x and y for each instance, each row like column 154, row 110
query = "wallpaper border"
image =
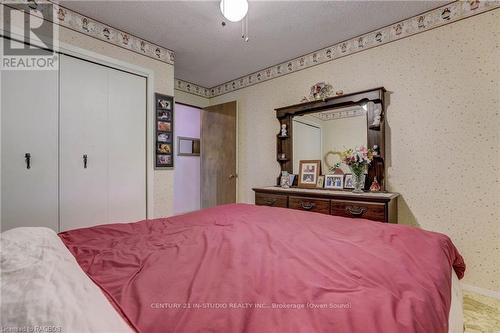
column 83, row 24
column 192, row 88
column 438, row 17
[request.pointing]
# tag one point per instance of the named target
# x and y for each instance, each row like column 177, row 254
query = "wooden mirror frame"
column 375, row 135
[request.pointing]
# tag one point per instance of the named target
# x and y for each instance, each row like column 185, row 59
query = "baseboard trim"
column 481, row 291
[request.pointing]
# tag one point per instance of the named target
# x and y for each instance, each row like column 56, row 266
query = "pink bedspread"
column 245, row 268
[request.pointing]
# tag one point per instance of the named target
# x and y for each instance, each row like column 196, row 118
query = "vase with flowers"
column 358, row 160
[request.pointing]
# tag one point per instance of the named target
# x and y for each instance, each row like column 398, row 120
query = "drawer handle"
column 307, row 205
column 355, row 210
column 270, row 202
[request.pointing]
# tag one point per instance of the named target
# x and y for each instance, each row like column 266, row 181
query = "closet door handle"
column 85, row 158
column 27, row 158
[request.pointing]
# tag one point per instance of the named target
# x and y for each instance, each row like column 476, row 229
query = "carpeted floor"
column 481, row 314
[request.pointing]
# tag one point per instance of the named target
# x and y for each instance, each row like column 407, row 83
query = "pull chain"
column 244, row 29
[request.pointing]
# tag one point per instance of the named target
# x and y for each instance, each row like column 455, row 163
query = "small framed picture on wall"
column 163, row 102
column 164, row 137
column 163, row 159
column 165, row 115
column 164, row 127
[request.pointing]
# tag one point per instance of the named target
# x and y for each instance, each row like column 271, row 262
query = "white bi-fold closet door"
column 102, row 144
column 49, row 121
column 29, row 159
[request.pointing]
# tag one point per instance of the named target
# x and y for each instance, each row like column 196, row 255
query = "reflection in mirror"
column 322, row 135
column 188, row 146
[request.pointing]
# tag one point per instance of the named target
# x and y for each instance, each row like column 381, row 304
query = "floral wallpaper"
column 442, row 131
column 435, row 18
column 90, row 27
column 192, row 88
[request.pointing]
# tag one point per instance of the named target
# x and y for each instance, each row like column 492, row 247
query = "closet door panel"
column 83, row 126
column 126, row 147
column 29, row 111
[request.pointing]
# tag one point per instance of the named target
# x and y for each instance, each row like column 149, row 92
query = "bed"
column 233, row 268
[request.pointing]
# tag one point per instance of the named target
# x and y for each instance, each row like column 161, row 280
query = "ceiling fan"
column 235, row 11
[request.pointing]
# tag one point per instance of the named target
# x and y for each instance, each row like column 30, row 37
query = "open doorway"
column 205, row 162
column 187, row 124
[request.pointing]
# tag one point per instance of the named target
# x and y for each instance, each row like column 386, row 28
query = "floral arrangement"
column 320, row 90
column 358, row 157
column 357, row 160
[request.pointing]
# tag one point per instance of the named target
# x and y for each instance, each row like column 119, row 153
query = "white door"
column 29, row 111
column 83, row 126
column 103, row 145
column 306, row 143
column 126, row 147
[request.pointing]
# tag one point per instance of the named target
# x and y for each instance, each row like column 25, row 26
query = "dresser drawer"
column 359, row 209
column 273, row 200
column 310, row 204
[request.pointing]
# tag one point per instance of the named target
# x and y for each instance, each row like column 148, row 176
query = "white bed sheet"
column 456, row 317
column 43, row 285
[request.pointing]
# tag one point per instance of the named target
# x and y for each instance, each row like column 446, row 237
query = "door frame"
column 201, row 119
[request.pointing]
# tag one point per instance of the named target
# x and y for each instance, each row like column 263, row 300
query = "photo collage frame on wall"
column 164, row 133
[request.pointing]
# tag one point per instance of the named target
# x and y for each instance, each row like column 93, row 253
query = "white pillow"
column 42, row 286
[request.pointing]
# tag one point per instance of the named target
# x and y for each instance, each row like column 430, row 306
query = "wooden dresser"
column 380, row 206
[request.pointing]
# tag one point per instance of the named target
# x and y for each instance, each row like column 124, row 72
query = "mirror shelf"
column 319, row 130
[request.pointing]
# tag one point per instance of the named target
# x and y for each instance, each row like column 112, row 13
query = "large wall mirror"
column 320, row 130
column 323, row 135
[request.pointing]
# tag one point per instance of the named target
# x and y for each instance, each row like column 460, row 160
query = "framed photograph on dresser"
column 334, row 182
column 321, row 182
column 309, row 173
column 348, row 181
column 164, row 127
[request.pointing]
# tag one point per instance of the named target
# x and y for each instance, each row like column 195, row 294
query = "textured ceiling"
column 208, row 54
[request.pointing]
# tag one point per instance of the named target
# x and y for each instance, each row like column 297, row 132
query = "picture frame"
column 164, row 137
column 348, row 181
column 164, row 102
column 164, row 131
column 285, row 179
column 164, row 148
column 320, row 182
column 164, row 115
column 187, row 146
column 164, row 159
column 309, row 171
column 164, row 126
column 335, row 182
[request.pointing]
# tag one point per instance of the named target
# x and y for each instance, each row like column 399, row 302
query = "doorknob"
column 27, row 158
column 231, row 176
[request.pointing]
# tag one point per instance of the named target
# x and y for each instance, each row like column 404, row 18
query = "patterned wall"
column 435, row 18
column 93, row 28
column 442, row 133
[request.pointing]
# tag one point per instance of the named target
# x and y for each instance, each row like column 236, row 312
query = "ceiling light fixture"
column 234, row 10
